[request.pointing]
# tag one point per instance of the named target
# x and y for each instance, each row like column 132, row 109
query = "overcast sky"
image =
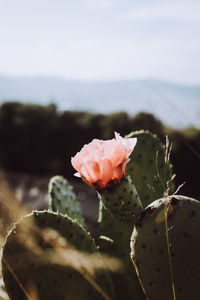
column 101, row 39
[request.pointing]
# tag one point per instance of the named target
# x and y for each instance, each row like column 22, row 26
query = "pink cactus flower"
column 102, row 164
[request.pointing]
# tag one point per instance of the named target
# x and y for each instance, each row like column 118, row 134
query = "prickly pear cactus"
column 118, row 245
column 151, row 173
column 63, row 199
column 165, row 249
column 149, row 167
column 122, row 201
column 42, row 260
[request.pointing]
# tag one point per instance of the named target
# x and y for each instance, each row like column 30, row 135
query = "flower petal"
column 130, row 144
column 118, row 171
column 101, row 162
column 93, row 169
column 77, row 174
column 77, row 162
column 106, row 170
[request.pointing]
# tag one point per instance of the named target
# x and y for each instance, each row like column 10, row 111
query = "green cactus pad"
column 63, row 199
column 152, row 254
column 35, row 263
column 118, row 244
column 122, row 201
column 147, row 167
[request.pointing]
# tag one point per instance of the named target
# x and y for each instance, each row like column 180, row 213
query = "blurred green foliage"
column 41, row 140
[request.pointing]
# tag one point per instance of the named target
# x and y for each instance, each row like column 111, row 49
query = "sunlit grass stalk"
column 168, row 248
column 17, row 280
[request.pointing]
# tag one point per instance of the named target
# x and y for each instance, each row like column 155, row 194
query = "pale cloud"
column 98, row 4
column 164, row 10
column 101, row 39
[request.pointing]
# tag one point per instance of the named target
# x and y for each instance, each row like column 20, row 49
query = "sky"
column 101, row 39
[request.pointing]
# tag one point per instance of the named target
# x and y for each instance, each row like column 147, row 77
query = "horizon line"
column 101, row 80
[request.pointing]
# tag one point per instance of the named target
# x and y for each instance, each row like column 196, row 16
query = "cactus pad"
column 161, row 264
column 148, row 168
column 122, row 201
column 63, row 199
column 36, row 264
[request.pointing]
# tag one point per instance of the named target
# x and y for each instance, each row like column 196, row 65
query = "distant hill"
column 174, row 104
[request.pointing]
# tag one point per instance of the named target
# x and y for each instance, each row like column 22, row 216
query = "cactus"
column 151, row 175
column 149, row 167
column 122, row 201
column 118, row 244
column 120, row 208
column 165, row 249
column 118, row 232
column 121, row 238
column 34, row 261
column 164, row 241
column 63, row 199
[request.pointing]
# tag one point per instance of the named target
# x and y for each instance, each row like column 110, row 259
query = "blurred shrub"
column 186, row 160
column 120, row 122
column 24, row 135
column 39, row 139
column 148, row 122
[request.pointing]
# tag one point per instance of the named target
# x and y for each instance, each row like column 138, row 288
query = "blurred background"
column 71, row 71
